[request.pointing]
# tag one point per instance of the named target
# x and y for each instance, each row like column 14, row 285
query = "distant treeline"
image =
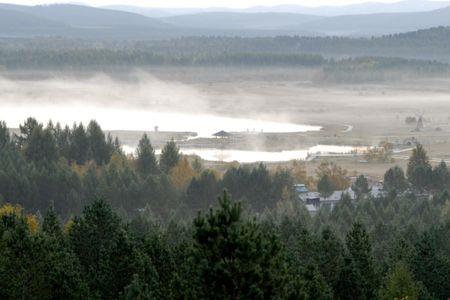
column 339, row 59
column 431, row 44
column 359, row 69
column 82, row 58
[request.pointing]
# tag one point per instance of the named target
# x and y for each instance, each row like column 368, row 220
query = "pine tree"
column 361, row 186
column 202, row 190
column 441, row 177
column 360, row 252
column 27, row 129
column 170, row 156
column 325, row 186
column 349, row 285
column 5, row 137
column 315, row 286
column 146, row 160
column 400, row 284
column 79, row 145
column 430, row 268
column 51, row 224
column 98, row 148
column 419, row 169
column 330, row 257
column 107, row 256
column 234, row 258
column 395, row 180
column 40, row 146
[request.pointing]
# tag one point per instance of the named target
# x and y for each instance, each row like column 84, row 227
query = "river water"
column 247, row 156
column 205, row 125
column 111, row 118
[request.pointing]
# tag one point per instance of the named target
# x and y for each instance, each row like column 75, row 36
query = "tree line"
column 69, row 166
column 427, row 44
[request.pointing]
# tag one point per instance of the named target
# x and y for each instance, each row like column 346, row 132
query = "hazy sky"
column 200, row 3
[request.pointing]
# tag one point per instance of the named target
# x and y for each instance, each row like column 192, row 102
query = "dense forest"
column 79, row 219
column 388, row 58
column 429, row 45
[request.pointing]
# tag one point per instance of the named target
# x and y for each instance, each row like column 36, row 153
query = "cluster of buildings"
column 314, row 201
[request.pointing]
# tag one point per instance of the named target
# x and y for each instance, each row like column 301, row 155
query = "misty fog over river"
column 111, row 118
column 145, row 104
column 203, row 125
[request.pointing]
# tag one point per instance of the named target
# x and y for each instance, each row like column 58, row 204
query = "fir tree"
column 325, row 186
column 360, row 251
column 235, row 259
column 419, row 169
column 361, row 186
column 170, row 156
column 146, row 160
column 400, row 284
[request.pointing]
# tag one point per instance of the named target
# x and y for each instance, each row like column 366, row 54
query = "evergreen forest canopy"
column 425, row 50
column 64, row 190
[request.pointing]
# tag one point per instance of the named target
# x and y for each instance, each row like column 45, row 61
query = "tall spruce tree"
column 395, row 180
column 5, row 137
column 419, row 168
column 40, row 146
column 146, row 163
column 360, row 251
column 330, row 257
column 98, row 148
column 361, row 186
column 79, row 145
column 170, row 157
column 325, row 186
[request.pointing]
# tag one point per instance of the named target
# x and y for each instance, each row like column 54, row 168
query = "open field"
column 357, row 115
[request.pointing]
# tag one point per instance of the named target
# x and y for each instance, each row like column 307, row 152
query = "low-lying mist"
column 139, row 101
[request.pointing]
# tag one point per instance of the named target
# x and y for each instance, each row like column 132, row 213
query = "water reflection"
column 243, row 156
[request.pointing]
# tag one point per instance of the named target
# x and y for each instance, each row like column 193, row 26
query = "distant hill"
column 370, row 7
column 16, row 20
column 243, row 21
column 348, row 25
column 85, row 16
column 358, row 9
column 77, row 21
column 379, row 24
column 162, row 12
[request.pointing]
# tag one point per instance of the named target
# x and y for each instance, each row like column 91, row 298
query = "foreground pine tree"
column 235, row 259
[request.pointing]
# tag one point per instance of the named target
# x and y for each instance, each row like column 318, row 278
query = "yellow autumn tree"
column 337, row 175
column 298, row 171
column 17, row 210
column 80, row 170
column 182, row 174
column 9, row 209
column 33, row 223
column 68, row 226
